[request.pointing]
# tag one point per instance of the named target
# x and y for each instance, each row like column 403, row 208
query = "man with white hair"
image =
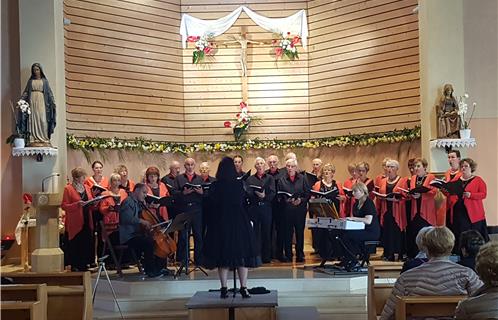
column 293, row 191
column 261, row 191
column 277, row 218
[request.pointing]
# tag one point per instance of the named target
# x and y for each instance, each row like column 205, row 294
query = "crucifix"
column 243, row 42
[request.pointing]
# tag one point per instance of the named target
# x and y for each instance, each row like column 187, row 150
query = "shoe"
column 223, row 292
column 92, row 265
column 299, row 259
column 266, row 260
column 167, row 272
column 156, row 274
column 244, row 293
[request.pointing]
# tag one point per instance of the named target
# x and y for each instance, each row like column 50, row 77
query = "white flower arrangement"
column 463, row 108
column 24, row 106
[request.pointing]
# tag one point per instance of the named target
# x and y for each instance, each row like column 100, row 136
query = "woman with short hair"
column 423, row 205
column 157, row 188
column 78, row 222
column 467, row 210
column 483, row 304
column 437, row 277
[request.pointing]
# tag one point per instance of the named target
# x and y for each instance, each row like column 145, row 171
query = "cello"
column 164, row 246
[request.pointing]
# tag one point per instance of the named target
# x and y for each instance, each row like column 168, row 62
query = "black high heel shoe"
column 223, row 292
column 244, row 293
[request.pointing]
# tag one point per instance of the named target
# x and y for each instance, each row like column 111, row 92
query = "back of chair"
column 378, row 293
column 426, row 306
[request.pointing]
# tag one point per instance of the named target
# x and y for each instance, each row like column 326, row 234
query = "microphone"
column 45, row 179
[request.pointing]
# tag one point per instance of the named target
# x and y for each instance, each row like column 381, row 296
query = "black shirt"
column 186, row 202
column 268, row 184
column 298, row 187
column 368, row 209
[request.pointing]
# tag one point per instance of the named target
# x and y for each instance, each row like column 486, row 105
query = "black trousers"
column 196, row 227
column 295, row 221
column 144, row 244
column 261, row 216
column 278, row 230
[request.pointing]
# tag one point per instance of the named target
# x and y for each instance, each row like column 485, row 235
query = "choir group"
column 393, row 208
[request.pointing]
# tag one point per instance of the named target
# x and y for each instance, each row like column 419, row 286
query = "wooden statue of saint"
column 447, row 115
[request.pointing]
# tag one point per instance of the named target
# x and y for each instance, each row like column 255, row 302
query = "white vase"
column 19, row 143
column 464, row 133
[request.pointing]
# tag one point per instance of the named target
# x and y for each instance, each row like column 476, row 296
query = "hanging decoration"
column 285, row 46
column 295, row 24
column 140, row 144
column 203, row 48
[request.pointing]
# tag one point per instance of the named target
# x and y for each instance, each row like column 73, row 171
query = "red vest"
column 428, row 206
column 399, row 207
column 163, row 191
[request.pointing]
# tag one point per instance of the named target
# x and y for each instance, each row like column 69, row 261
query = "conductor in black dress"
column 229, row 238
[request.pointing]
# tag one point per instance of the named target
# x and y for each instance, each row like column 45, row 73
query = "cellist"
column 130, row 230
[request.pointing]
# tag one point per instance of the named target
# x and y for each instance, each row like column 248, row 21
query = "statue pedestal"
column 47, row 257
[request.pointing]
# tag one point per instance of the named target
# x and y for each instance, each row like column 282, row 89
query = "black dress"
column 80, row 249
column 230, row 241
column 392, row 238
column 415, row 224
column 461, row 220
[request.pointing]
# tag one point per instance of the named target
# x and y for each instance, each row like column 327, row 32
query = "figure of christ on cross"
column 242, row 40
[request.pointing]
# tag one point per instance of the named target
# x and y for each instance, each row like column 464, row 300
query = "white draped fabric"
column 296, row 24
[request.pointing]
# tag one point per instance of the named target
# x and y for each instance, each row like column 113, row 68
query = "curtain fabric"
column 296, row 24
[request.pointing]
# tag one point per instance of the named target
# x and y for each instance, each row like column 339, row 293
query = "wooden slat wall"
column 278, row 93
column 363, row 66
column 127, row 75
column 123, row 69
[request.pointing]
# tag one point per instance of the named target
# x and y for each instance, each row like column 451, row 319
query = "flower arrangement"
column 463, row 109
column 285, row 46
column 242, row 122
column 89, row 144
column 203, row 48
column 24, row 111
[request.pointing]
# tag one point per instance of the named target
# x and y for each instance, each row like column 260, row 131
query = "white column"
column 42, row 40
column 441, row 45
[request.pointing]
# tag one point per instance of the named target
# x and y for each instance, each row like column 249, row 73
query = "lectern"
column 47, row 257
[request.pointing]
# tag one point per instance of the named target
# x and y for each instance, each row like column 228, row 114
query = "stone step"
column 325, row 300
column 189, row 287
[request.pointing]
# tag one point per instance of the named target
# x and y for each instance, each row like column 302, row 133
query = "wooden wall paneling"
column 124, row 76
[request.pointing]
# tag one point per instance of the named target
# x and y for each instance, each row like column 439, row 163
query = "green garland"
column 143, row 145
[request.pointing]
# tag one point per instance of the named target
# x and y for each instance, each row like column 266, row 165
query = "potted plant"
column 21, row 134
column 465, row 121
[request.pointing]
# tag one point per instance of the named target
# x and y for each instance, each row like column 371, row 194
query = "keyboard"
column 329, row 223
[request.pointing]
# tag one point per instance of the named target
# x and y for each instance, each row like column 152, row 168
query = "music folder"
column 163, row 201
column 180, row 222
column 454, row 188
column 244, row 176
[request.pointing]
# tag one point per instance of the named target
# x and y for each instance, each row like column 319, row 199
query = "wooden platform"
column 205, row 305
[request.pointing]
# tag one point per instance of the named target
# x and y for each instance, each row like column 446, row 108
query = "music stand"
column 182, row 222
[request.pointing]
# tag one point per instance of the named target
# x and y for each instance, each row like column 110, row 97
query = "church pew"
column 425, row 306
column 378, row 291
column 69, row 293
column 23, row 310
column 26, row 293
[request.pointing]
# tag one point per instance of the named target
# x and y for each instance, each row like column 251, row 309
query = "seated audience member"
column 483, row 304
column 438, row 276
column 421, row 256
column 470, row 242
